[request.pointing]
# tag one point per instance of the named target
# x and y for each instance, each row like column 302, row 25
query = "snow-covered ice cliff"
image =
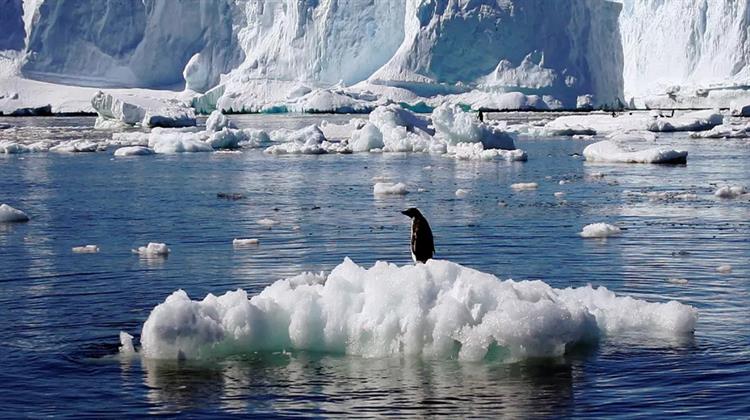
column 352, row 55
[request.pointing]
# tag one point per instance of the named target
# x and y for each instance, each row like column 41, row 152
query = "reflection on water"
column 57, row 306
column 309, row 384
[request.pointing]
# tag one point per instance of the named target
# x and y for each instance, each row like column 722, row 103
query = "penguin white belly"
column 413, row 257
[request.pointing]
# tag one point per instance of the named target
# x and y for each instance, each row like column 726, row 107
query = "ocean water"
column 62, row 312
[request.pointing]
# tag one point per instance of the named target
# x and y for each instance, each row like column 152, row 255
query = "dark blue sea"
column 61, row 312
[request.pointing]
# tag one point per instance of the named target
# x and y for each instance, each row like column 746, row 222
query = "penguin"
column 422, row 245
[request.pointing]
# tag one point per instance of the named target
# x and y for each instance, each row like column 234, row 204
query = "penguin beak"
column 405, row 212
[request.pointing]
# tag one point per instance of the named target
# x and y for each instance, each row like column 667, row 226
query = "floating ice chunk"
column 240, row 242
column 404, row 131
column 559, row 194
column 524, row 186
column 341, row 131
column 11, row 148
column 267, row 222
column 153, row 249
column 366, row 139
column 134, row 151
column 130, row 109
column 724, row 269
column 86, row 249
column 462, row 193
column 692, row 121
column 169, row 142
column 102, row 123
column 390, row 188
column 78, row 146
column 308, row 141
column 732, row 191
column 9, row 214
column 456, row 126
column 197, row 73
column 126, row 343
column 218, row 121
column 724, row 131
column 435, row 310
column 607, row 151
column 476, row 151
column 600, row 230
column 227, row 138
column 677, row 280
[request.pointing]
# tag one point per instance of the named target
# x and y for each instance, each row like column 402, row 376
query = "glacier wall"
column 690, row 53
column 548, row 47
column 688, row 43
column 128, row 43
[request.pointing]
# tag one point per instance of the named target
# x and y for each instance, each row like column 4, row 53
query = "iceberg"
column 437, row 310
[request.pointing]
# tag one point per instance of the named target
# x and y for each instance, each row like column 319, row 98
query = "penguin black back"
column 422, row 244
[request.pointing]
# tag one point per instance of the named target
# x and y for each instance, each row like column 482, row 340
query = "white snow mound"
column 390, row 188
column 153, row 249
column 437, row 310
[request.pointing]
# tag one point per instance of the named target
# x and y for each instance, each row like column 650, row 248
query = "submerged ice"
column 434, row 310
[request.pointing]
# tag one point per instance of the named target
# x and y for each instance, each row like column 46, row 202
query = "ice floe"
column 437, row 310
column 78, row 146
column 390, row 188
column 610, row 152
column 153, row 249
column 134, row 151
column 600, row 230
column 9, row 214
column 85, row 249
column 730, row 191
column 267, row 222
column 130, row 109
column 218, row 121
column 462, row 193
column 524, row 186
column 692, row 121
column 724, row 269
column 244, row 242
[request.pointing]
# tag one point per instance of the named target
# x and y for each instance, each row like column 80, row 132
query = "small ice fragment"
column 678, row 281
column 152, row 249
column 427, row 168
column 240, row 242
column 724, row 269
column 389, row 188
column 126, row 343
column 9, row 214
column 559, row 194
column 380, row 178
column 134, row 151
column 599, row 230
column 502, row 204
column 462, row 193
column 86, row 249
column 733, row 191
column 267, row 222
column 421, row 190
column 524, row 186
column 597, row 175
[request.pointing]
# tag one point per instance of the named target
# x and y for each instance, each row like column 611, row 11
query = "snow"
column 730, row 191
column 524, row 186
column 9, row 214
column 599, row 230
column 390, row 188
column 610, row 152
column 153, row 249
column 134, row 151
column 437, row 310
column 86, row 249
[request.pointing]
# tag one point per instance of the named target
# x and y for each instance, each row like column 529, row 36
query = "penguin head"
column 412, row 212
